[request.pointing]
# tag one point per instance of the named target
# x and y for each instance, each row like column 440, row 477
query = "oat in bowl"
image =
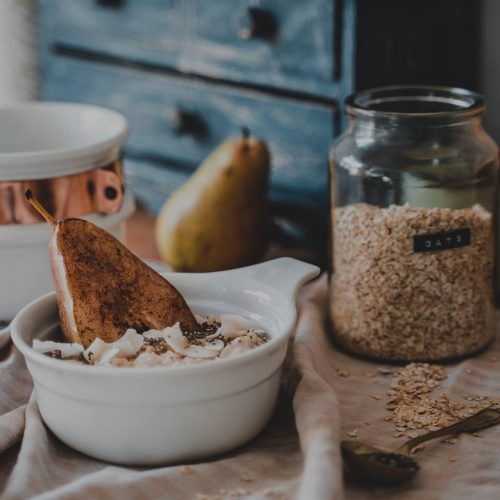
column 217, row 337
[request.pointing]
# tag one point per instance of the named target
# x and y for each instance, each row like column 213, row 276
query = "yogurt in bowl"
column 150, row 415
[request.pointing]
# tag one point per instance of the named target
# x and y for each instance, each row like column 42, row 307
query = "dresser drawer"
column 224, row 39
column 181, row 120
column 286, row 43
column 147, row 30
column 152, row 184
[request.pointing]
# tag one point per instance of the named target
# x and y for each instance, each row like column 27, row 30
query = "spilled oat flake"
column 415, row 407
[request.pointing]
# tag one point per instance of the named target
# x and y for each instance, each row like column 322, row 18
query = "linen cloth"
column 296, row 456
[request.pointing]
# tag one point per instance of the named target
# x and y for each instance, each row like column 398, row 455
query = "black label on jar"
column 441, row 241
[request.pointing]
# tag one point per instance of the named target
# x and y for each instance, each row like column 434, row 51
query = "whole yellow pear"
column 219, row 219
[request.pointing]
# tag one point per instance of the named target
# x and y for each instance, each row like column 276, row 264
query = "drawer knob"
column 188, row 122
column 114, row 4
column 257, row 23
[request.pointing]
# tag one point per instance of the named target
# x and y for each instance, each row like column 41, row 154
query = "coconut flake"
column 234, row 325
column 215, row 345
column 128, row 345
column 239, row 345
column 153, row 334
column 175, row 339
column 67, row 350
column 199, row 352
column 108, row 355
column 95, row 350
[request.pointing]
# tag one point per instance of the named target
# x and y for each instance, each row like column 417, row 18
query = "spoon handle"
column 480, row 420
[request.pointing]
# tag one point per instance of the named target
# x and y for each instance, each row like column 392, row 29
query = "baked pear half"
column 103, row 289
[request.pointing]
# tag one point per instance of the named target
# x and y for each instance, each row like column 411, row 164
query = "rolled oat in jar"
column 414, row 186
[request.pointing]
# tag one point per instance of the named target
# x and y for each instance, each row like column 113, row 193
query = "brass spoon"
column 387, row 468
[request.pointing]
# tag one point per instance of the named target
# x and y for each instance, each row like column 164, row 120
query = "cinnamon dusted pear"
column 103, row 289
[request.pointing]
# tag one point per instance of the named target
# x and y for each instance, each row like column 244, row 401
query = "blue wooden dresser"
column 190, row 73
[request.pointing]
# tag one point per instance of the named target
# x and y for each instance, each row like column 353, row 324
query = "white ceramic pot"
column 155, row 415
column 25, row 261
column 40, row 144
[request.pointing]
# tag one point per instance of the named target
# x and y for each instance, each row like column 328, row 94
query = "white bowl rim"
column 274, row 342
column 64, row 160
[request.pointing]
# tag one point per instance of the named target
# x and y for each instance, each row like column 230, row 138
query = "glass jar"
column 413, row 203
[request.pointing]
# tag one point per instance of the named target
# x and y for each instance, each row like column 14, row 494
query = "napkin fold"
column 327, row 394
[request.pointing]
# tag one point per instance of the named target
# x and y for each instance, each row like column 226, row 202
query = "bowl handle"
column 285, row 274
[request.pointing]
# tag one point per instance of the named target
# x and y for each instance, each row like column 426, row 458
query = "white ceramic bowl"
column 44, row 140
column 41, row 140
column 147, row 416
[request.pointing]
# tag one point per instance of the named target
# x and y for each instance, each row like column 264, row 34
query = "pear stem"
column 245, row 134
column 28, row 194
